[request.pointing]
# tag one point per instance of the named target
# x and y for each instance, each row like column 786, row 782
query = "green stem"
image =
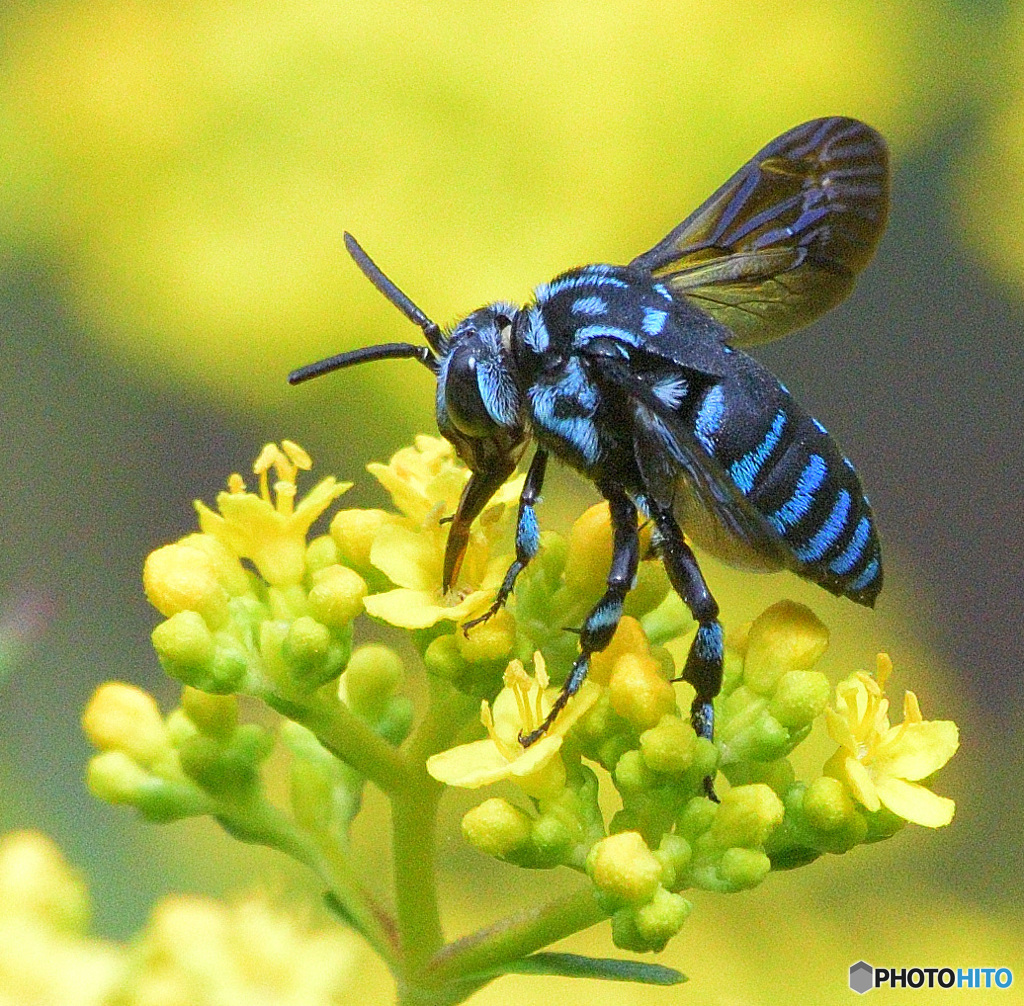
column 346, row 736
column 490, row 949
column 259, row 822
column 414, row 814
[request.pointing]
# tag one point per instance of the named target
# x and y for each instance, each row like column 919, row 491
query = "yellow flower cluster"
column 194, row 950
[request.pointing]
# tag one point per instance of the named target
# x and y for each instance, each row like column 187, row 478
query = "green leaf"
column 577, row 966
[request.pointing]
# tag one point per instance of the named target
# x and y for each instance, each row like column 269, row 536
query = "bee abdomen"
column 812, row 498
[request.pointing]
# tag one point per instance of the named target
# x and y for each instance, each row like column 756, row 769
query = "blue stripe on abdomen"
column 746, row 469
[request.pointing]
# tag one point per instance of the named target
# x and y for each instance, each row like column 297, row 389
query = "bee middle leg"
column 600, row 625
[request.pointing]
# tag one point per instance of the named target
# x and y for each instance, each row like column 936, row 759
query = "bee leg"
column 483, row 484
column 703, row 667
column 527, row 535
column 600, row 625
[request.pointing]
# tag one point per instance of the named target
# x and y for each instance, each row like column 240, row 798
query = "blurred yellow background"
column 174, row 183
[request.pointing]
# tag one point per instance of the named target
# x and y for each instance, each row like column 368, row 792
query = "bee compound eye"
column 463, row 399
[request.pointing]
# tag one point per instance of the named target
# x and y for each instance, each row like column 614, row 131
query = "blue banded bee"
column 636, row 376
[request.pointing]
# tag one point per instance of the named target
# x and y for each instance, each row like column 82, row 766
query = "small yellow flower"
column 423, row 477
column 520, row 706
column 271, row 531
column 425, row 483
column 881, row 764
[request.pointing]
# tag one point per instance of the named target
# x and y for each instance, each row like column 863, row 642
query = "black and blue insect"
column 635, row 376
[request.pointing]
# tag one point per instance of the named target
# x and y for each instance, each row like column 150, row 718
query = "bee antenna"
column 368, row 354
column 373, row 273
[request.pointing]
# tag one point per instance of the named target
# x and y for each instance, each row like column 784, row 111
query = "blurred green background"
column 174, row 183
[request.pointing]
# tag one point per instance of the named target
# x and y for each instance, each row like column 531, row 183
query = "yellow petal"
column 915, row 803
column 839, row 730
column 469, row 765
column 408, row 609
column 917, row 749
column 861, row 784
column 408, row 558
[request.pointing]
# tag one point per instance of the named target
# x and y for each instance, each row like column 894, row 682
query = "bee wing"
column 665, row 449
column 781, row 241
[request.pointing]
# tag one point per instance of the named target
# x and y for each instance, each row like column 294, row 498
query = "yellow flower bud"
column 785, row 637
column 354, row 532
column 590, row 551
column 637, row 691
column 746, row 816
column 497, row 828
column 669, row 746
column 489, row 641
column 230, row 573
column 623, row 867
column 337, row 596
column 121, row 717
column 182, row 578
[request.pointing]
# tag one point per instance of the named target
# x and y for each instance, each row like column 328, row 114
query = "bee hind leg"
column 703, row 667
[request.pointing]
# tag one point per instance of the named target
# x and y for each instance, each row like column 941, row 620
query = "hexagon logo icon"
column 862, row 977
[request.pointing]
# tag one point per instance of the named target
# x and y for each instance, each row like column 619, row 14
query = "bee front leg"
column 483, row 484
column 703, row 667
column 600, row 625
column 527, row 535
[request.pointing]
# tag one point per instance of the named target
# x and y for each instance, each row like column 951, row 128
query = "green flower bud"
column 185, row 647
column 662, row 917
column 669, row 620
column 669, row 746
column 115, row 777
column 624, row 868
column 214, row 715
column 740, row 869
column 337, row 596
column 650, row 590
column 321, row 552
column 551, row 840
column 746, row 816
column 799, row 697
column 697, row 817
column 443, row 658
column 827, row 804
column 396, row 720
column 227, row 769
column 373, row 675
column 631, row 773
column 497, row 828
column 674, row 853
column 786, row 637
column 305, row 645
